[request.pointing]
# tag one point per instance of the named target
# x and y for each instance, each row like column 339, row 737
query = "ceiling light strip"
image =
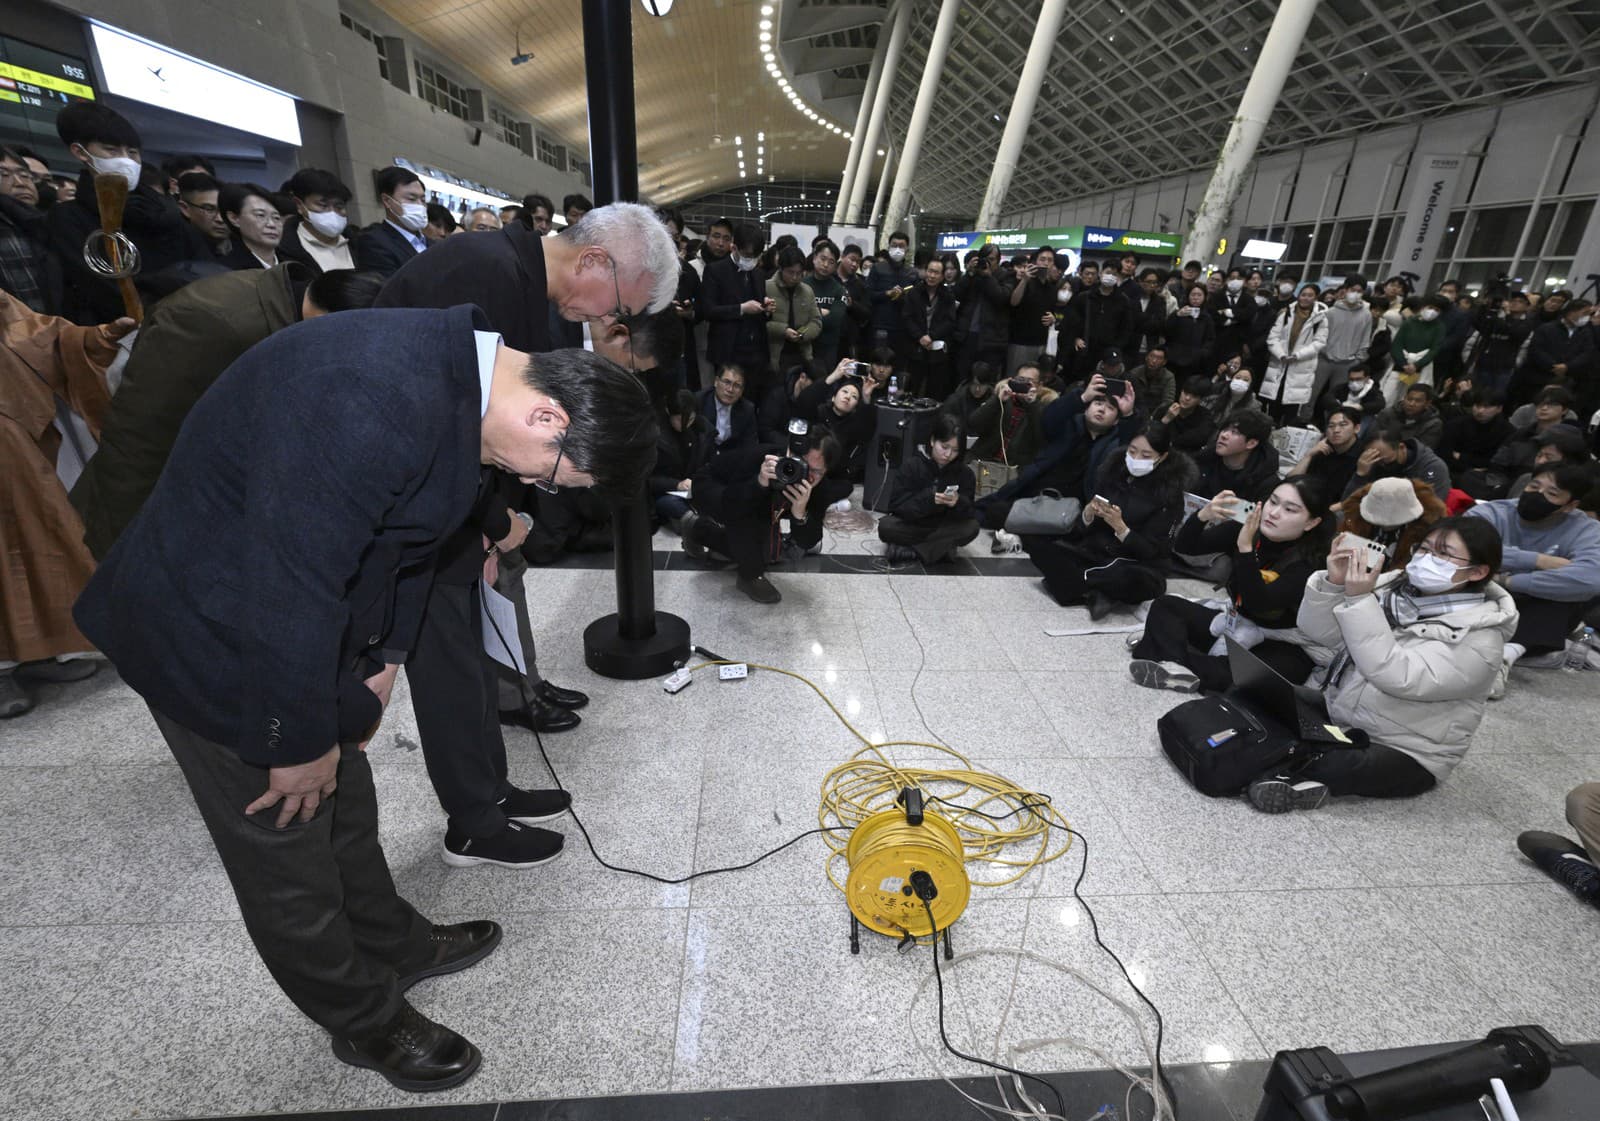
column 766, row 43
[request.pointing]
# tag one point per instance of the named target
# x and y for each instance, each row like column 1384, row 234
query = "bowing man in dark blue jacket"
column 333, row 458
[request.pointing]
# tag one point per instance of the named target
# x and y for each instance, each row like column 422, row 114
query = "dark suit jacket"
column 741, row 422
column 187, row 341
column 288, row 548
column 240, row 259
column 381, row 248
column 733, row 336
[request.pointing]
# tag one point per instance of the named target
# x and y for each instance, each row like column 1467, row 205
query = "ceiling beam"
column 807, row 23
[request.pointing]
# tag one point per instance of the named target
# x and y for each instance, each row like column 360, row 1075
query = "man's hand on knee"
column 299, row 790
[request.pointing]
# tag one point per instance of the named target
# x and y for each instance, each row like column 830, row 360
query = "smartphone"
column 951, row 491
column 1020, row 386
column 863, row 369
column 1100, row 499
column 1242, row 511
column 1354, row 541
column 1116, row 387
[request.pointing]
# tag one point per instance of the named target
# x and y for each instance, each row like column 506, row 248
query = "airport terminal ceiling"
column 1136, row 90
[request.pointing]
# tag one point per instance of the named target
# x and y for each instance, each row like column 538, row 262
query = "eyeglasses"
column 1427, row 550
column 22, row 174
column 548, row 486
column 620, row 312
column 204, row 207
column 731, row 383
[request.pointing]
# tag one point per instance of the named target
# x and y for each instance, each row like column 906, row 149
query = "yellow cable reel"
column 887, row 854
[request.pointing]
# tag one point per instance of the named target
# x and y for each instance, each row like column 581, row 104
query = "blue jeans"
column 669, row 508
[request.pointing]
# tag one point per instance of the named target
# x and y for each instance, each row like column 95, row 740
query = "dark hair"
column 656, row 338
column 1314, row 544
column 576, row 202
column 1567, row 440
column 1159, row 435
column 1555, row 395
column 1353, row 280
column 820, row 439
column 1088, row 264
column 1195, row 265
column 882, row 356
column 310, row 181
column 1252, row 424
column 1379, row 303
column 731, row 368
column 1149, row 272
column 1196, row 385
column 191, row 182
column 390, row 179
column 345, row 289
column 1481, row 539
column 174, row 164
column 983, row 373
column 790, row 256
column 1436, row 302
column 440, row 216
column 285, row 204
column 516, row 211
column 1421, row 387
column 1484, row 396
column 823, row 243
column 670, row 216
column 1452, row 282
column 530, row 203
column 91, row 122
column 1388, row 430
column 611, row 429
column 947, row 426
column 850, row 248
column 1519, row 294
column 900, row 235
column 747, row 235
column 232, row 196
column 725, row 223
column 9, row 153
column 1350, row 412
column 1576, row 479
column 1405, row 285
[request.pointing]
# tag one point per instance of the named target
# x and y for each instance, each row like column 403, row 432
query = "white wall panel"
column 1374, row 155
column 1272, row 173
column 1522, row 143
column 1322, row 165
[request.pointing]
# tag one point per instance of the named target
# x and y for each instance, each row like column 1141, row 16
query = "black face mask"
column 1535, row 507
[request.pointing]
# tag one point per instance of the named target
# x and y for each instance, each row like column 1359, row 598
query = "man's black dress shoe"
column 1099, row 606
column 546, row 717
column 414, row 1053
column 453, row 948
column 561, row 698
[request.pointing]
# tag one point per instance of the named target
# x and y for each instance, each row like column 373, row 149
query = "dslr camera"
column 792, row 468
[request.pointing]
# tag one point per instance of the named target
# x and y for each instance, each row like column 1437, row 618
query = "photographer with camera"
column 1033, row 308
column 1503, row 330
column 741, row 500
column 931, row 507
column 983, row 322
column 842, row 405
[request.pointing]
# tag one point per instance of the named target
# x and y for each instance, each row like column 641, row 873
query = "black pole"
column 637, row 641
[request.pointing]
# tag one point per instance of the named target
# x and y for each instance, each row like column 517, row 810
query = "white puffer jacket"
column 1294, row 374
column 1419, row 687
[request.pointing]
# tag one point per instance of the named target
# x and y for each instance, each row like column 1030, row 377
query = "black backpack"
column 1220, row 744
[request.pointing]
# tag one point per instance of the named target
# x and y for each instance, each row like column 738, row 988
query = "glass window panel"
column 1452, row 234
column 1572, row 227
column 1541, row 227
column 1551, row 275
column 1495, row 232
column 1350, row 238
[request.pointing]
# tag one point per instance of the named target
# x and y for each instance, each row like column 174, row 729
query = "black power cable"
column 533, row 723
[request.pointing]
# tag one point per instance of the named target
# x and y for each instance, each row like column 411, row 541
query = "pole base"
column 631, row 659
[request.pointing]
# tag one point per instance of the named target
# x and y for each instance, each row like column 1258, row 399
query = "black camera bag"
column 1223, row 769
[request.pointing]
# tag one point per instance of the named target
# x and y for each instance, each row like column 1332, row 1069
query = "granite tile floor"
column 128, row 988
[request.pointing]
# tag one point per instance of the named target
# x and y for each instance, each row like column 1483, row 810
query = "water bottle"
column 894, row 387
column 1578, row 650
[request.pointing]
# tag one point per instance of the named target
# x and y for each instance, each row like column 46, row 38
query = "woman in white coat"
column 1415, row 653
column 1298, row 334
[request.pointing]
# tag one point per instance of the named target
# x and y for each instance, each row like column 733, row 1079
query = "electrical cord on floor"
column 527, row 707
column 938, row 976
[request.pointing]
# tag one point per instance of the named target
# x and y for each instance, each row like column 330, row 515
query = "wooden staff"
column 111, row 195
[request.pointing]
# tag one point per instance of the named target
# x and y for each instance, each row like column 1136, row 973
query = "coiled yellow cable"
column 1001, row 824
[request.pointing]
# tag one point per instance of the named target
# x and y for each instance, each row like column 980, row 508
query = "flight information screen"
column 34, row 84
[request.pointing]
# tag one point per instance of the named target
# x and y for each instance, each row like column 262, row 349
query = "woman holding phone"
column 1415, row 653
column 1275, row 546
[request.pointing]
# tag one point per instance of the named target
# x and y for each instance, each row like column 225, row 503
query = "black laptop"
column 1298, row 708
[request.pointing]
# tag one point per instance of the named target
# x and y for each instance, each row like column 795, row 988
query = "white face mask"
column 1238, row 386
column 743, row 264
column 1063, row 295
column 328, row 223
column 1431, row 574
column 1582, row 321
column 1428, row 314
column 413, row 216
column 117, row 165
column 897, row 254
column 1357, row 388
column 1235, row 285
column 1138, row 468
column 1107, row 280
column 1285, row 289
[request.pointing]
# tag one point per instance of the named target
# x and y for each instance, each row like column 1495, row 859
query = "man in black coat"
column 385, row 246
column 1097, row 318
column 517, row 278
column 733, row 299
column 334, row 458
column 983, row 320
column 929, row 312
column 1234, row 312
column 729, row 418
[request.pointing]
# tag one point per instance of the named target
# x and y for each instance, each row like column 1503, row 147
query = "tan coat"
column 45, row 563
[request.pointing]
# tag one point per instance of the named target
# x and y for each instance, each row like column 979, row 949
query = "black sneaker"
column 688, row 529
column 1564, row 862
column 760, row 589
column 1282, row 793
column 515, row 846
column 533, row 806
column 900, row 554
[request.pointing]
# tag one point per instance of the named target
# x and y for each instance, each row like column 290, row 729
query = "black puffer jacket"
column 1152, row 507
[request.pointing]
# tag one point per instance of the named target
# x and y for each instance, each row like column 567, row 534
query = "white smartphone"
column 937, row 345
column 951, row 491
column 1242, row 511
column 1354, row 542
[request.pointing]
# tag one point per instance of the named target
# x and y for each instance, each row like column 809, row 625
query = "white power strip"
column 678, row 681
column 738, row 671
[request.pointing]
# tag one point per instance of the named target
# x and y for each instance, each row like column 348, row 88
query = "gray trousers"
column 509, row 584
column 1018, row 353
column 1583, row 811
column 1329, row 370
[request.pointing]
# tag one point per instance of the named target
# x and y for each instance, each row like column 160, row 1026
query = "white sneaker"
column 1163, row 675
column 1006, row 542
column 1497, row 691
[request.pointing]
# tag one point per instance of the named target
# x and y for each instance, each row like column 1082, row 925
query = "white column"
column 1277, row 56
column 883, row 192
column 911, row 150
column 869, row 94
column 880, row 110
column 1022, row 106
